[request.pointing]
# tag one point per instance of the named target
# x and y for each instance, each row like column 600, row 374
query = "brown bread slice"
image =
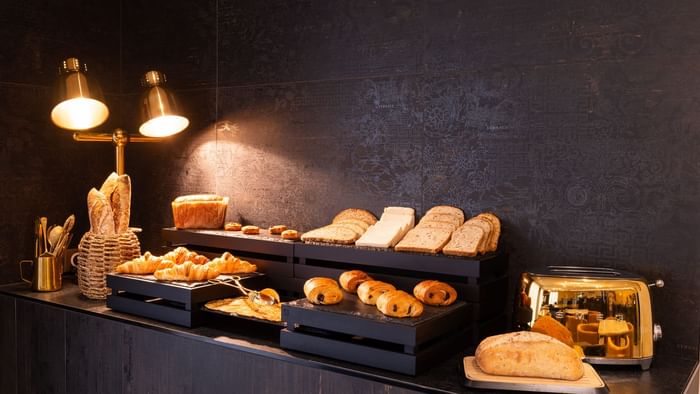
column 331, row 234
column 358, row 222
column 448, row 210
column 352, row 226
column 437, row 224
column 465, row 242
column 424, row 240
column 443, row 217
column 486, row 226
column 496, row 233
column 356, row 213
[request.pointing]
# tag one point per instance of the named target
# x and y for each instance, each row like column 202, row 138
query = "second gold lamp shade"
column 80, row 106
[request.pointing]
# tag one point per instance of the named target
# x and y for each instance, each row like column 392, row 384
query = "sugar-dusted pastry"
column 435, row 293
column 350, row 280
column 323, row 291
column 369, row 291
column 398, row 303
column 229, row 264
column 233, row 226
column 278, row 229
column 250, row 230
column 187, row 272
column 290, row 234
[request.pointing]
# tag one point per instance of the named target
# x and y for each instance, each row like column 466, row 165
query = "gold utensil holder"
column 46, row 273
column 98, row 255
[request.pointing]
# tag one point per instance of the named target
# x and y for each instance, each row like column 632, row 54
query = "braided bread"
column 370, row 290
column 398, row 303
column 436, row 293
column 350, row 280
column 323, row 291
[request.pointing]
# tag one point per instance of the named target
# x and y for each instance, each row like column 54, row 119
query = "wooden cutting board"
column 590, row 383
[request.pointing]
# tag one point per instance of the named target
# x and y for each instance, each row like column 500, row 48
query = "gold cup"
column 46, row 273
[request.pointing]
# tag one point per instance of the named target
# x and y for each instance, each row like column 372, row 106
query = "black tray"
column 171, row 302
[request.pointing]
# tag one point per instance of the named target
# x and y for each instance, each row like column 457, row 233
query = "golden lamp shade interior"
column 160, row 114
column 79, row 103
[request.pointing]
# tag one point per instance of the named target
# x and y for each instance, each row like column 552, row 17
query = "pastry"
column 278, row 229
column 331, row 234
column 187, row 271
column 290, row 234
column 369, row 291
column 424, row 240
column 323, row 291
column 146, row 264
column 244, row 306
column 398, row 303
column 350, row 280
column 356, row 213
column 199, row 211
column 465, row 241
column 548, row 326
column 229, row 264
column 250, row 230
column 100, row 212
column 528, row 354
column 232, row 226
column 435, row 293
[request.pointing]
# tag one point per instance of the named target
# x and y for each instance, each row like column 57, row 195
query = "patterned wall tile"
column 259, row 44
column 175, row 37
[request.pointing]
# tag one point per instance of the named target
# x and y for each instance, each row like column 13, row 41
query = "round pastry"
column 349, row 280
column 370, row 290
column 398, row 303
column 232, row 226
column 278, row 229
column 323, row 291
column 250, row 230
column 435, row 293
column 290, row 234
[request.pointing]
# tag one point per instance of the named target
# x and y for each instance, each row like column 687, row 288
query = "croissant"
column 398, row 303
column 323, row 291
column 349, row 280
column 229, row 264
column 436, row 293
column 177, row 255
column 146, row 264
column 370, row 290
column 187, row 271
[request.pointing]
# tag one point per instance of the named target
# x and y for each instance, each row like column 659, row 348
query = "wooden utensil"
column 54, row 236
column 44, row 221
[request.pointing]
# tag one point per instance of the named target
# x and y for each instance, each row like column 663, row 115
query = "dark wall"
column 575, row 122
column 43, row 171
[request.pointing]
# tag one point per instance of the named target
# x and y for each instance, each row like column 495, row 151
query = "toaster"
column 607, row 311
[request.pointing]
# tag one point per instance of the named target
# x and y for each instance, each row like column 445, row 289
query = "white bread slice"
column 424, row 240
column 448, row 210
column 465, row 242
column 529, row 354
column 400, row 211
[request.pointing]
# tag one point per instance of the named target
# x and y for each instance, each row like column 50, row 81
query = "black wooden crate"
column 176, row 303
column 359, row 333
column 272, row 254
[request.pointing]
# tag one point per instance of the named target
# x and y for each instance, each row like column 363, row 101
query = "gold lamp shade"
column 160, row 114
column 80, row 103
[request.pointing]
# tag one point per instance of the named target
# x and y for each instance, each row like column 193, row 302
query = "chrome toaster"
column 607, row 311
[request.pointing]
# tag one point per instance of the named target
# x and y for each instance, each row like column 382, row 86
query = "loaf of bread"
column 199, row 211
column 350, row 280
column 529, row 354
column 369, row 291
column 100, row 212
column 323, row 291
column 435, row 293
column 548, row 326
column 398, row 303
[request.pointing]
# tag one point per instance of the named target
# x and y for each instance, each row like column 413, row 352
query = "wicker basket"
column 98, row 255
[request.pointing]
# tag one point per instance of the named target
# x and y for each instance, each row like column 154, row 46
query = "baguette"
column 528, row 354
column 100, row 212
column 121, row 203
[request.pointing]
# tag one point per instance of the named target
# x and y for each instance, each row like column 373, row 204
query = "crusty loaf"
column 331, row 234
column 528, row 354
column 356, row 213
column 465, row 242
column 424, row 240
column 121, row 203
column 199, row 211
column 100, row 212
column 548, row 326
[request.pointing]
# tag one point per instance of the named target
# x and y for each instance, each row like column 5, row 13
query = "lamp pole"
column 120, row 138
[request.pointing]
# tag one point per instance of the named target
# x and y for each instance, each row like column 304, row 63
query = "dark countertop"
column 668, row 374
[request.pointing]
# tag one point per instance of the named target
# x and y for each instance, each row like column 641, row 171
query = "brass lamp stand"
column 120, row 139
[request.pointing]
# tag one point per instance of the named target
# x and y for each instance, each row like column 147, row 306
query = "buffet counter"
column 63, row 342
